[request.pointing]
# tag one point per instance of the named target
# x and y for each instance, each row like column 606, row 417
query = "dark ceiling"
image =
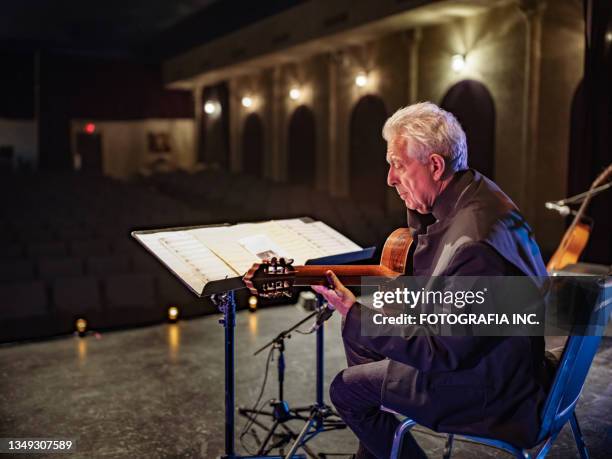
column 149, row 29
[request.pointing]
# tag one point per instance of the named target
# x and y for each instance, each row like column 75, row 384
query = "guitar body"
column 577, row 235
column 570, row 250
column 395, row 251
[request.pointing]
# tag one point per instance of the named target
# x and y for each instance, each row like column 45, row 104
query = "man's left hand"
column 339, row 298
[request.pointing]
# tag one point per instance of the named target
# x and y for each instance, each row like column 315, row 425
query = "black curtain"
column 598, row 122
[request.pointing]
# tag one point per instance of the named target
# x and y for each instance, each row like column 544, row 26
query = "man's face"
column 413, row 180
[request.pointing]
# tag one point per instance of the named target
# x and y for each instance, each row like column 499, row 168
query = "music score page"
column 203, row 254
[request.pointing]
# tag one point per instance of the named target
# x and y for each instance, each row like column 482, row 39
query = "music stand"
column 318, row 412
column 222, row 292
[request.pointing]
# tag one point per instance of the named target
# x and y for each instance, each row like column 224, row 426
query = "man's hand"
column 339, row 298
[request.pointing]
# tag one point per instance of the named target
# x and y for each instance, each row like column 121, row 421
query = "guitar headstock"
column 272, row 278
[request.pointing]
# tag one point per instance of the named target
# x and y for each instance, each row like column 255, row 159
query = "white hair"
column 431, row 130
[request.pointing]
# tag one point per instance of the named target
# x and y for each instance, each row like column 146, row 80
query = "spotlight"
column 609, row 37
column 173, row 314
column 210, row 107
column 361, row 79
column 252, row 303
column 458, row 62
column 295, row 93
column 90, row 128
column 247, row 101
column 81, row 326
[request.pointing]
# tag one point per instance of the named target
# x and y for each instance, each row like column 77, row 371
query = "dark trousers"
column 356, row 392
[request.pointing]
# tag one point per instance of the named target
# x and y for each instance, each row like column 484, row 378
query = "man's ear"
column 437, row 166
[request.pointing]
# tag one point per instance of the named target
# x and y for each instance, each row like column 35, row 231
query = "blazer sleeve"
column 434, row 353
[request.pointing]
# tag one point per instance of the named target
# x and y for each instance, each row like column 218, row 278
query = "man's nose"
column 391, row 179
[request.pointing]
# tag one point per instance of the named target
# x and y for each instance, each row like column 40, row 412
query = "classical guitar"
column 577, row 235
column 274, row 278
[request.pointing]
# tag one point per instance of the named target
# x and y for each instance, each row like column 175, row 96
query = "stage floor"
column 159, row 391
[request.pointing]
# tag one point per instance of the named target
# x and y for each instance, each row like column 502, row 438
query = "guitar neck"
column 349, row 275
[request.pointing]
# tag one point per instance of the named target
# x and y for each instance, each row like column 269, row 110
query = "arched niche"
column 471, row 103
column 367, row 151
column 301, row 166
column 215, row 127
column 253, row 145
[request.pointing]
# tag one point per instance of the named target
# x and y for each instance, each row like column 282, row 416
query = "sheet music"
column 177, row 251
column 327, row 240
column 205, row 254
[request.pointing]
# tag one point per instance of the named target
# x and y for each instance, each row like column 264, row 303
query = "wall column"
column 235, row 107
column 334, row 172
column 533, row 12
column 197, row 129
column 414, row 42
column 277, row 101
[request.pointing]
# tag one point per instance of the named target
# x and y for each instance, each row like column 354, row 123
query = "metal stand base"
column 320, row 418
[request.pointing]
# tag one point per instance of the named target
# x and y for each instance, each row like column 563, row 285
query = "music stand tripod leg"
column 298, row 440
column 226, row 303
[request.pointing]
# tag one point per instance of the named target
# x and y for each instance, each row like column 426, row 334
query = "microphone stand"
column 281, row 412
column 578, row 198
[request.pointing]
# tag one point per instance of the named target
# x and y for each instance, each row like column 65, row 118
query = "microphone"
column 322, row 317
column 563, row 210
column 327, row 310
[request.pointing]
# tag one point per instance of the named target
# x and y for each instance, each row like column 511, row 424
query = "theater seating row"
column 234, row 198
column 66, row 250
column 34, row 309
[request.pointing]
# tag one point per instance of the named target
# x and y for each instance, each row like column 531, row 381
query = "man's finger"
column 334, row 280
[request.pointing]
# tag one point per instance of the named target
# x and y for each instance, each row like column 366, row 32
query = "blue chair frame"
column 565, row 391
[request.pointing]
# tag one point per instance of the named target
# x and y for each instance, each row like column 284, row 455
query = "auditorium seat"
column 125, row 245
column 131, row 300
column 77, row 297
column 7, row 235
column 90, row 247
column 173, row 292
column 46, row 249
column 16, row 271
column 36, row 235
column 56, row 268
column 10, row 251
column 144, row 262
column 74, row 233
column 106, row 265
column 23, row 300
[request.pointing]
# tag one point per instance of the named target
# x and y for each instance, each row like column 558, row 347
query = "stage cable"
column 251, row 420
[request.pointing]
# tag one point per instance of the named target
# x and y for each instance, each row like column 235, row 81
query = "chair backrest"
column 575, row 363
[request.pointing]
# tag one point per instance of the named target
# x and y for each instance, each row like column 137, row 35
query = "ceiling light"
column 210, row 107
column 458, row 62
column 361, row 79
column 247, row 102
column 295, row 93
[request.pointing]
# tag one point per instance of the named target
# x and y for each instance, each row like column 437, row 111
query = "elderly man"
column 462, row 225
